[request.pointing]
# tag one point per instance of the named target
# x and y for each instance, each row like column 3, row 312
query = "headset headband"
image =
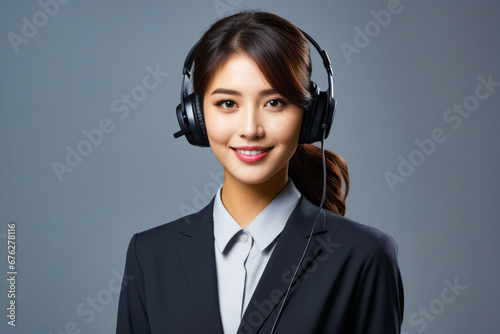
column 188, row 62
column 322, row 120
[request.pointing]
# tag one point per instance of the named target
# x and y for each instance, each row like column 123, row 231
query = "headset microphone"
column 316, row 125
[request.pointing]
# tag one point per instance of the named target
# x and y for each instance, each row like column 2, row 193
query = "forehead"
column 239, row 70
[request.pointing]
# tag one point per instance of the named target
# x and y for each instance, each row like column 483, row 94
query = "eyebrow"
column 235, row 92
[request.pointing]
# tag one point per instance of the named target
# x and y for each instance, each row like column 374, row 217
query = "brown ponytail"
column 306, row 171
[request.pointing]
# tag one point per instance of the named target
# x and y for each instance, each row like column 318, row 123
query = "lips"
column 251, row 153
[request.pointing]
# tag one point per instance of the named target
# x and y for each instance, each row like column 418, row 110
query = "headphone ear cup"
column 306, row 131
column 191, row 121
column 327, row 106
column 198, row 113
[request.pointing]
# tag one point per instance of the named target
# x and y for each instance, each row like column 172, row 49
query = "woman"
column 233, row 267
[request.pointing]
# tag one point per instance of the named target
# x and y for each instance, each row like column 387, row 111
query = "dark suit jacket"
column 349, row 282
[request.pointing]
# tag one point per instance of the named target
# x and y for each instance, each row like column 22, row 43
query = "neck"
column 245, row 201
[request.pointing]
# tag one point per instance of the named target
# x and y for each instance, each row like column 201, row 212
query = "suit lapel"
column 279, row 270
column 197, row 256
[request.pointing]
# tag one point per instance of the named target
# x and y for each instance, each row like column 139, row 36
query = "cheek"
column 285, row 127
column 218, row 130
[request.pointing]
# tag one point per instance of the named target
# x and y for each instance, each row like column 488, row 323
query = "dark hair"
column 281, row 52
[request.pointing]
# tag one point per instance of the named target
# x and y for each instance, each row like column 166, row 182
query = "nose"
column 251, row 123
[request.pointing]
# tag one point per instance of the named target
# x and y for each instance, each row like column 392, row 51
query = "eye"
column 226, row 104
column 276, row 103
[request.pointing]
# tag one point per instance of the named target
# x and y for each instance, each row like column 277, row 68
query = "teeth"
column 254, row 152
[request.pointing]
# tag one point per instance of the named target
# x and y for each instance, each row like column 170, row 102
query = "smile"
column 247, row 152
column 253, row 155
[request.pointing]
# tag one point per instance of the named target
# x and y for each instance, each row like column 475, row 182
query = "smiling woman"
column 252, row 130
column 267, row 52
column 226, row 269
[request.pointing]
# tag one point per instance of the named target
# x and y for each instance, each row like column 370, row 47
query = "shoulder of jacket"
column 356, row 231
column 167, row 233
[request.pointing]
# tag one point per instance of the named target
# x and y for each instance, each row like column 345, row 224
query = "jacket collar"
column 197, row 256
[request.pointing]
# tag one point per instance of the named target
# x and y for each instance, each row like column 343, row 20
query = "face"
column 252, row 129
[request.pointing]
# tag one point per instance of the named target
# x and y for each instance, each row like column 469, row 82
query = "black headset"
column 318, row 116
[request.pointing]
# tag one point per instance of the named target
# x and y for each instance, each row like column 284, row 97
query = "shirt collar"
column 265, row 227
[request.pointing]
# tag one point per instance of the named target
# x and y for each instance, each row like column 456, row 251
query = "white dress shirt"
column 242, row 254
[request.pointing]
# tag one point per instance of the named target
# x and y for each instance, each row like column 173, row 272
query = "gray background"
column 72, row 235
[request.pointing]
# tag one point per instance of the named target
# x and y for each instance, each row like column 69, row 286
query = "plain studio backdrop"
column 88, row 96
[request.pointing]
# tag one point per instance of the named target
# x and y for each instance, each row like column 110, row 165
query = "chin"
column 254, row 176
column 251, row 179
